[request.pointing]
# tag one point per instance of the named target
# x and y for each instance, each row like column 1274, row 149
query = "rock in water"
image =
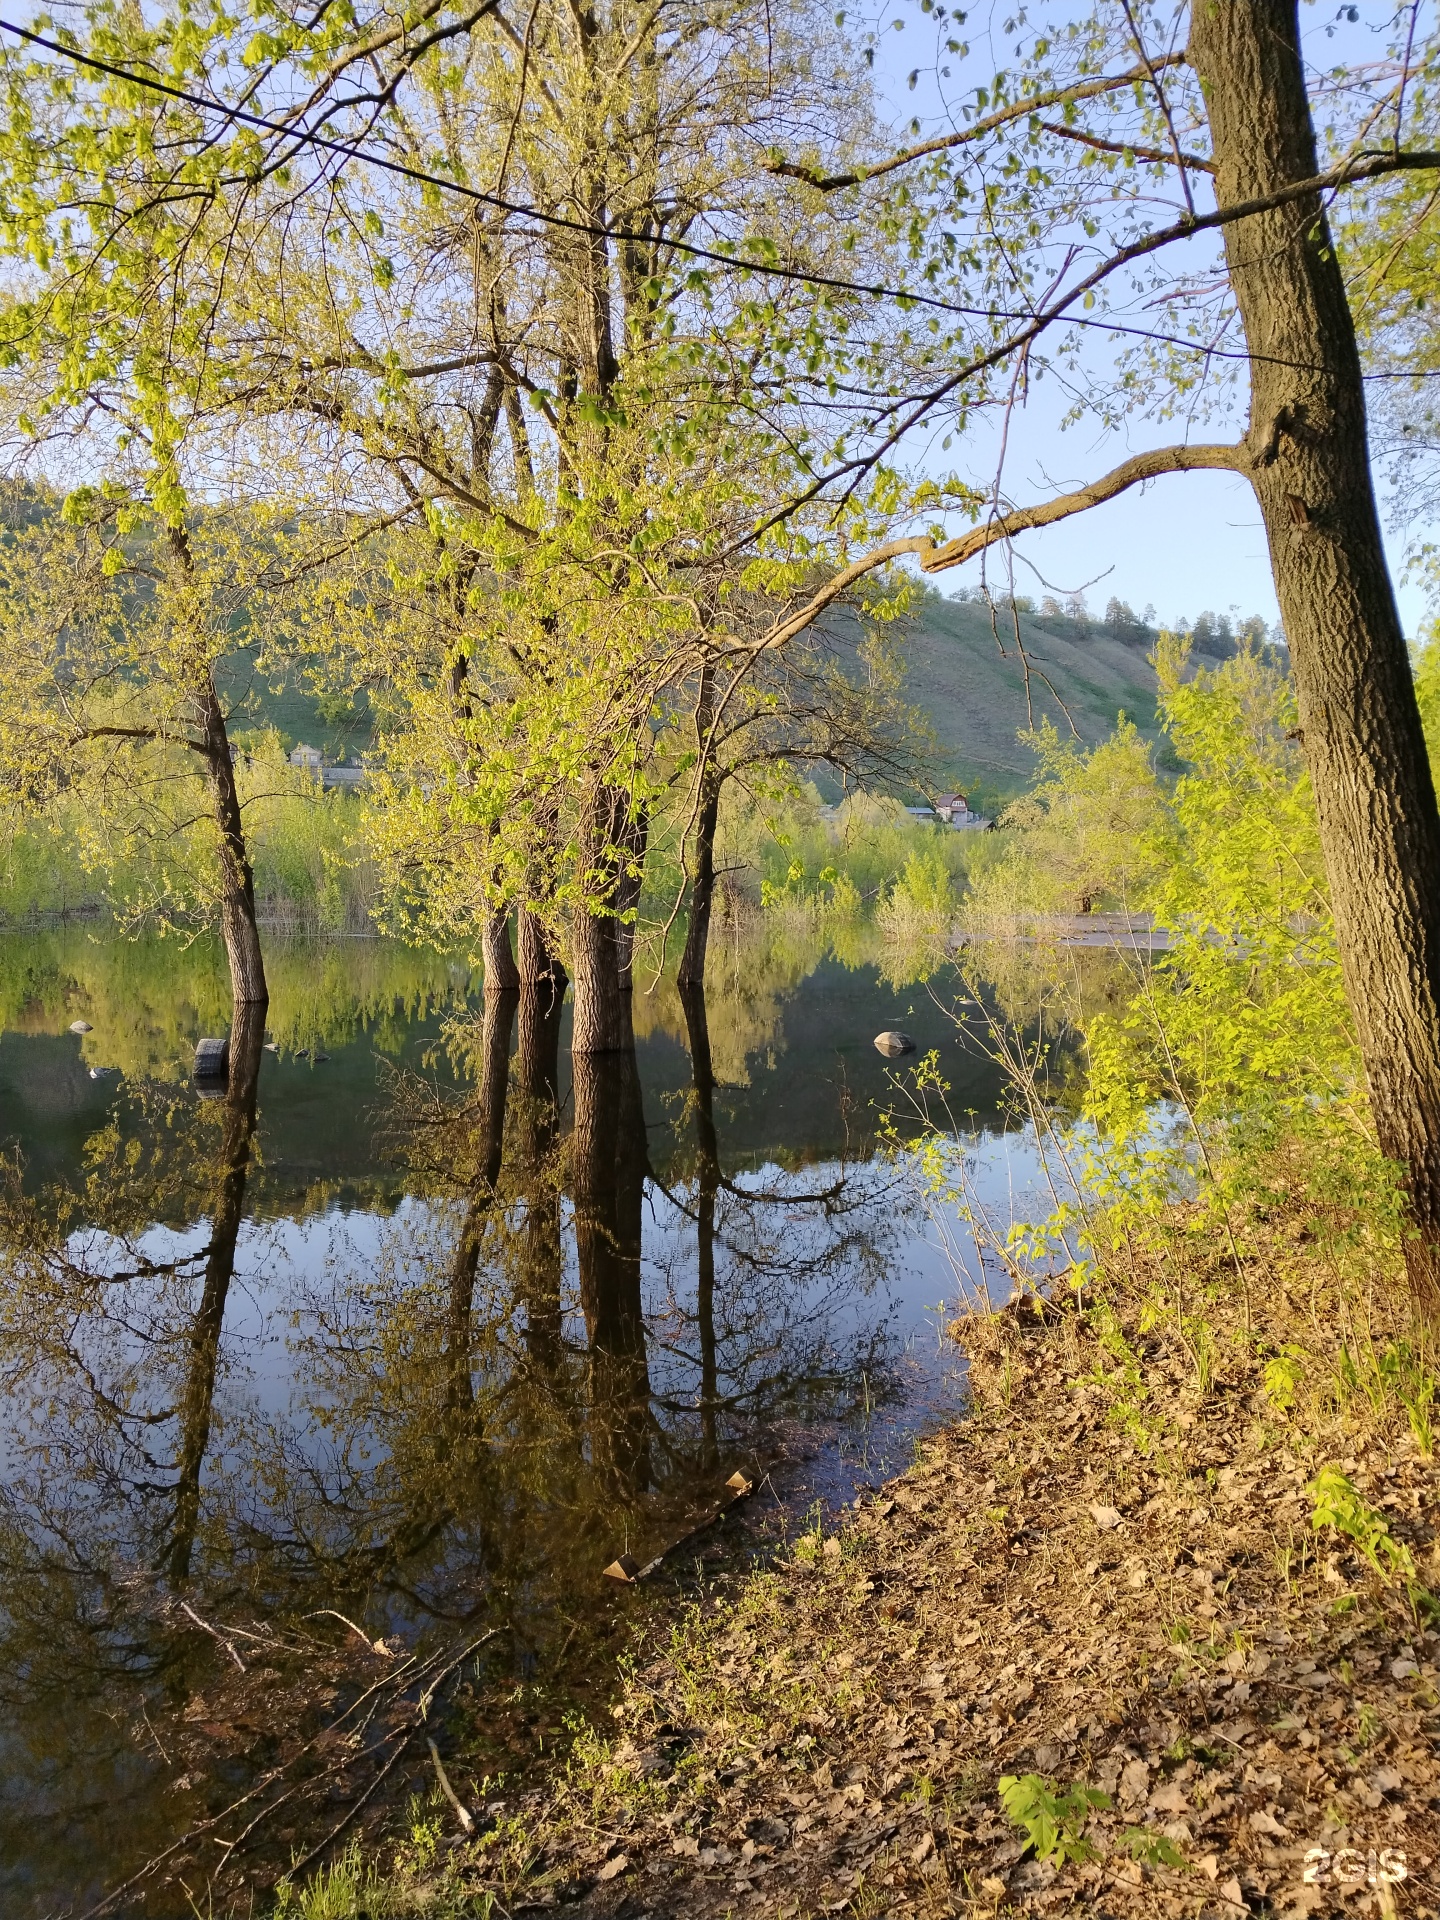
column 894, row 1043
column 81, row 1026
column 212, row 1059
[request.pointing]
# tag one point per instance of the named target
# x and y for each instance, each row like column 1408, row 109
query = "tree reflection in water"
column 552, row 1352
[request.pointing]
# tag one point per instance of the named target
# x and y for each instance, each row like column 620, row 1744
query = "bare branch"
column 1235, row 458
column 1019, row 110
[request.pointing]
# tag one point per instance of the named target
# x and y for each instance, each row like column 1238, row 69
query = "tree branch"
column 1126, row 146
column 1232, row 458
column 1035, row 103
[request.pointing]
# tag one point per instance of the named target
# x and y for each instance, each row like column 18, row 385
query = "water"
column 413, row 1332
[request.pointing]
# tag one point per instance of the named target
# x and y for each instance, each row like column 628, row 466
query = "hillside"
column 972, row 689
column 975, row 695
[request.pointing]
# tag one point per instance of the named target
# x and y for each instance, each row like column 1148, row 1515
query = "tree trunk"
column 1311, row 475
column 634, row 838
column 237, row 880
column 537, row 1141
column 602, row 1010
column 609, row 1161
column 702, row 886
column 237, row 1132
column 501, row 973
column 541, row 970
column 707, row 1187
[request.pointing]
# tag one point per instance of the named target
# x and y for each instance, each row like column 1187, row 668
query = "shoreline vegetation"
column 1152, row 1628
column 557, row 417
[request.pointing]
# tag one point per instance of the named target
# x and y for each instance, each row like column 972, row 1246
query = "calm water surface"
column 413, row 1330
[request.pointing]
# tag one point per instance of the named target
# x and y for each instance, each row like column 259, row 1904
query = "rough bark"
column 609, row 1162
column 237, row 1133
column 541, row 970
column 602, row 1014
column 702, row 886
column 1311, row 474
column 501, row 973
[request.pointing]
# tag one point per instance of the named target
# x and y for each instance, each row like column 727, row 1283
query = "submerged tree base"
column 1109, row 1579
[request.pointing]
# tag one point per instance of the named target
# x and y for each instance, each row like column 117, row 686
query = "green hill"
column 973, row 688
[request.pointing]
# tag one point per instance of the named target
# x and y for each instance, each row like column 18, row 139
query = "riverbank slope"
column 1106, row 1578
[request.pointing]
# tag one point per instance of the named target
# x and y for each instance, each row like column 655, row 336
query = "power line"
column 874, row 290
column 349, row 150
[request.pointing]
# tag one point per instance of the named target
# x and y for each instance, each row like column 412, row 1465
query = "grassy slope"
column 975, row 695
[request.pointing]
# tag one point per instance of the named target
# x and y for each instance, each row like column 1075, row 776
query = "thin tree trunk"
column 634, row 838
column 501, row 973
column 702, row 886
column 1311, row 474
column 238, row 925
column 702, row 1075
column 237, row 1133
column 602, row 1012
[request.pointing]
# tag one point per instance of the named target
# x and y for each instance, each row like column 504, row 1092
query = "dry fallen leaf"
column 1170, row 1799
column 612, row 1869
column 1106, row 1517
column 1135, row 1781
column 1262, row 1822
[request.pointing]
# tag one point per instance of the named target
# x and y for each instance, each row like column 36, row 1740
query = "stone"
column 81, row 1026
column 212, row 1059
column 893, row 1043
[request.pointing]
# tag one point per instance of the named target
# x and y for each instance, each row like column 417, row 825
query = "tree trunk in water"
column 541, row 970
column 501, row 973
column 609, row 1162
column 707, row 1186
column 634, row 837
column 602, row 1009
column 702, row 887
column 237, row 1132
column 489, row 1145
column 1311, row 475
column 237, row 880
column 537, row 1143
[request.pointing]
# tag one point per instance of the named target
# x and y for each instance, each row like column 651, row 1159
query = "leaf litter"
column 1141, row 1628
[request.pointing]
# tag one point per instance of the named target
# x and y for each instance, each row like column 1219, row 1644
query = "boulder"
column 212, row 1059
column 81, row 1026
column 894, row 1043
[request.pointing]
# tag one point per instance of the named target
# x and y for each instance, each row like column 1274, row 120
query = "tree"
column 577, row 387
column 1119, row 104
column 110, row 695
column 809, row 704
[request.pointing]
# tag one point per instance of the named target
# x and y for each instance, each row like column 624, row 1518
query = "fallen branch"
column 214, row 1632
column 467, row 1820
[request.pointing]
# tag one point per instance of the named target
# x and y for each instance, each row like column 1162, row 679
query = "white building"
column 954, row 810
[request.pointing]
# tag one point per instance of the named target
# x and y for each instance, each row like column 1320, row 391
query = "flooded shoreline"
column 368, row 1368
